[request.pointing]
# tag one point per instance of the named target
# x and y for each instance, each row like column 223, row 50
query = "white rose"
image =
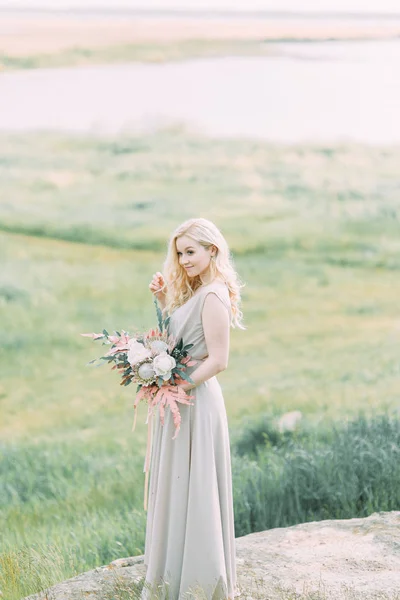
column 146, row 371
column 159, row 346
column 137, row 352
column 163, row 364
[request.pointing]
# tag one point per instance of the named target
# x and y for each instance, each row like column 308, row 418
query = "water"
column 305, row 92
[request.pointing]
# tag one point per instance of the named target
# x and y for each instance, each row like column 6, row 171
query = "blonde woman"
column 190, row 537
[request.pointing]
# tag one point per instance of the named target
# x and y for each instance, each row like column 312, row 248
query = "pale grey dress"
column 190, row 538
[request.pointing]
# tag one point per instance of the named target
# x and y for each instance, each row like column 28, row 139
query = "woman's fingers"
column 157, row 283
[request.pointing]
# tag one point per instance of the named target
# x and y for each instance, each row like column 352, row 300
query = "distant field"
column 84, row 223
column 314, row 232
column 49, row 40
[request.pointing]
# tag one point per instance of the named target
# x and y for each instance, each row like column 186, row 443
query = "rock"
column 289, row 421
column 357, row 559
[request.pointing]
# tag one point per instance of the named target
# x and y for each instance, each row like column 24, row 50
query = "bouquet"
column 157, row 362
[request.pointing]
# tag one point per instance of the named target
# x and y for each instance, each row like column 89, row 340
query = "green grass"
column 150, row 52
column 349, row 471
column 156, row 52
column 84, row 223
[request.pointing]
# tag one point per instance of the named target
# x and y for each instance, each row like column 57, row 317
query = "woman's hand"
column 186, row 387
column 158, row 287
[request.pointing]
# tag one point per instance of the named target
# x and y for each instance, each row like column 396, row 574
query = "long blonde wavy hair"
column 180, row 288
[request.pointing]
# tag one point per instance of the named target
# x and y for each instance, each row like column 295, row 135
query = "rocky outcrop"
column 327, row 560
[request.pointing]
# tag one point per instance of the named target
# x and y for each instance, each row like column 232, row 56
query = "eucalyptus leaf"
column 183, row 375
column 159, row 315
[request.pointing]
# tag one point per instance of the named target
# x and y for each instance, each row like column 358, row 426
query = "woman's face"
column 192, row 256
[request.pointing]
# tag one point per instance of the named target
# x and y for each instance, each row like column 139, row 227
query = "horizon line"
column 199, row 12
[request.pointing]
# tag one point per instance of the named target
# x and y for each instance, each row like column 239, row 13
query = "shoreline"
column 51, row 40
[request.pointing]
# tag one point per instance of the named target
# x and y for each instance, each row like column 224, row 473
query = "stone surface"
column 325, row 560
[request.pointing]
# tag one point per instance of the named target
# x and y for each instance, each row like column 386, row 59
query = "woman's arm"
column 216, row 325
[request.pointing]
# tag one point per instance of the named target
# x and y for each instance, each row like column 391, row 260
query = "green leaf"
column 183, row 375
column 159, row 315
column 105, row 332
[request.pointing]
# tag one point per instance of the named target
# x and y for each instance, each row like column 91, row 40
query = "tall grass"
column 348, row 471
column 71, row 510
column 66, row 508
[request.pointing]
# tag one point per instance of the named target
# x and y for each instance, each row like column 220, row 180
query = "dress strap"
column 221, row 293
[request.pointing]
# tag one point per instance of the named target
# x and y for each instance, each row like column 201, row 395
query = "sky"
column 361, row 6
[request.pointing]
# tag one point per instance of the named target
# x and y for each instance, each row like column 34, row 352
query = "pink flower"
column 119, row 344
column 137, row 352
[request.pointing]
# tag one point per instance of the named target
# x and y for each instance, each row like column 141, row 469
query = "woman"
column 190, row 538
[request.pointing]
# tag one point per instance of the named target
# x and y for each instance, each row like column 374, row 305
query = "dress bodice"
column 186, row 320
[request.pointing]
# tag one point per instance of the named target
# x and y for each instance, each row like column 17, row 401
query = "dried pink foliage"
column 165, row 396
column 94, row 336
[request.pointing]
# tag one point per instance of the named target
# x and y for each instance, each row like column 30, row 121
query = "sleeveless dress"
column 190, row 536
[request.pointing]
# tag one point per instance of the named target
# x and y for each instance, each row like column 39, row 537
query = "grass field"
column 144, row 52
column 84, row 223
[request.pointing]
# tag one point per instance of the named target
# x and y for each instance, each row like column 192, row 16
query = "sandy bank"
column 41, row 34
